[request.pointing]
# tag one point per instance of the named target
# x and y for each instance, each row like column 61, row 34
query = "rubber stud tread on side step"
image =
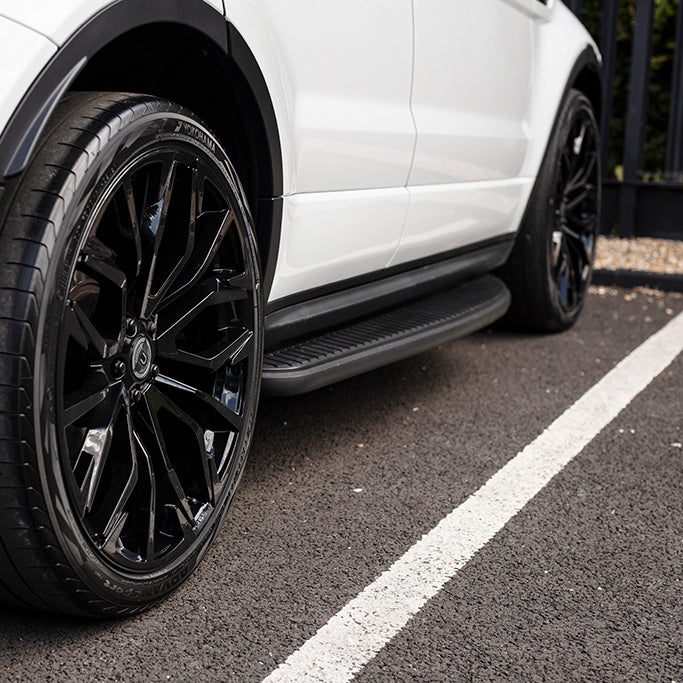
column 384, row 338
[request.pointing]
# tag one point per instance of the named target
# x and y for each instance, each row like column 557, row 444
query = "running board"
column 384, row 338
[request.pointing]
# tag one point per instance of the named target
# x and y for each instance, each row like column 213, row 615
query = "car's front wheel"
column 131, row 345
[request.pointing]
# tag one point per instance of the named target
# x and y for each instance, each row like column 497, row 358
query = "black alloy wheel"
column 148, row 350
column 550, row 268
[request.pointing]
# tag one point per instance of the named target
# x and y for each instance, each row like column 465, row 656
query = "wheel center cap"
column 140, row 357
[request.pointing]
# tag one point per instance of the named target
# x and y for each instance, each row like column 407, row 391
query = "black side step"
column 384, row 338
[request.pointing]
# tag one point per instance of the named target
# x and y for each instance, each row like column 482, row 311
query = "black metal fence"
column 636, row 203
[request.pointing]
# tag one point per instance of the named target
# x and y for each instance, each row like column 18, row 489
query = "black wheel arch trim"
column 586, row 63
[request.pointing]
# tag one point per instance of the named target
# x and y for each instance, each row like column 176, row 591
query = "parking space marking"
column 360, row 630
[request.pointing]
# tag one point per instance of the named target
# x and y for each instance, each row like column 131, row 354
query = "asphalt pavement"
column 584, row 583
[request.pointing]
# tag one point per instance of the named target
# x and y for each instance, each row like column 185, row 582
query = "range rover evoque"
column 202, row 199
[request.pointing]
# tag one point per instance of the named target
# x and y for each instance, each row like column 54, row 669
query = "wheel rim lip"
column 558, row 210
column 146, row 155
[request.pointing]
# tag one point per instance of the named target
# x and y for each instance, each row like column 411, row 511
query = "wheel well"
column 181, row 64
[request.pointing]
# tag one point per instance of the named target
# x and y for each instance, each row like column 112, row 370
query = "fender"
column 577, row 64
column 29, row 118
column 585, row 75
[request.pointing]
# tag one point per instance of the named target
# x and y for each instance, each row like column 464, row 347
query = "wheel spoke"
column 580, row 180
column 210, row 292
column 563, row 275
column 222, row 411
column 128, row 218
column 577, row 144
column 95, row 450
column 152, row 496
column 72, row 327
column 118, row 516
column 154, row 400
column 567, row 281
column 82, row 329
column 185, row 261
column 234, row 345
column 228, row 350
column 153, row 227
column 205, row 251
column 579, row 198
column 79, row 403
column 98, row 260
column 581, row 243
column 108, row 289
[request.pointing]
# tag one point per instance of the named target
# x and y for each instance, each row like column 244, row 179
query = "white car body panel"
column 341, row 95
column 518, row 104
column 343, row 234
column 23, row 54
column 340, row 77
column 469, row 101
column 445, row 218
column 57, row 20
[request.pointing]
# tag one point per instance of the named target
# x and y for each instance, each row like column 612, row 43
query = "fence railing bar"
column 636, row 114
column 608, row 48
column 674, row 147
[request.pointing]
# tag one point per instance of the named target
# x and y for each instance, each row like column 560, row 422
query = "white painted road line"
column 360, row 630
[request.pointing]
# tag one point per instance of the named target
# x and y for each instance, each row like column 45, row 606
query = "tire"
column 131, row 328
column 549, row 270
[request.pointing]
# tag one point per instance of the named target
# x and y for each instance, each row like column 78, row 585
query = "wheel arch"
column 210, row 70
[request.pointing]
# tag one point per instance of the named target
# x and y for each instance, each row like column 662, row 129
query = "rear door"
column 472, row 77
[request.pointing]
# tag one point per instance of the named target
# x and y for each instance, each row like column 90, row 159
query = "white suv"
column 202, row 198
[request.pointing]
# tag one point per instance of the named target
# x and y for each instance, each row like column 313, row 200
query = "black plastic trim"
column 364, row 299
column 270, row 213
column 385, row 338
column 587, row 60
column 245, row 60
column 30, row 117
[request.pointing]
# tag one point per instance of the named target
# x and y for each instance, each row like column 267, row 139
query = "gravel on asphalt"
column 640, row 253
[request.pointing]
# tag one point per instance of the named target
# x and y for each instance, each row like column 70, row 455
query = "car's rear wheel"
column 550, row 268
column 132, row 343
